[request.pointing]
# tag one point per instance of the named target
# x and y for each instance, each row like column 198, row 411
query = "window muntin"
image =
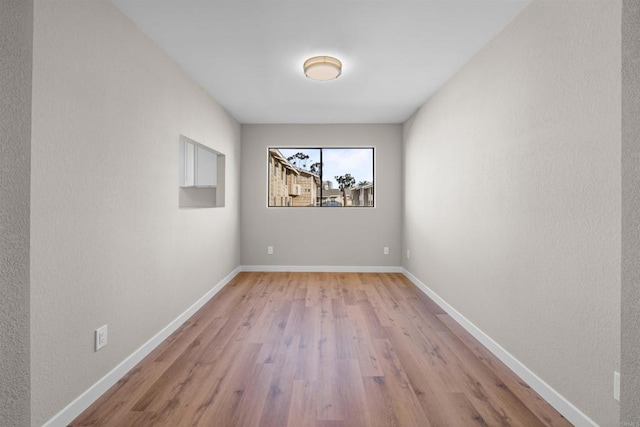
column 321, row 177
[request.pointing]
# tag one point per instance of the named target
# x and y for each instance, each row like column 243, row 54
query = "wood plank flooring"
column 320, row 349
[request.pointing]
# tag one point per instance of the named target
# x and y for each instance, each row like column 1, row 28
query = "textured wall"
column 630, row 375
column 16, row 26
column 109, row 242
column 517, row 161
column 321, row 236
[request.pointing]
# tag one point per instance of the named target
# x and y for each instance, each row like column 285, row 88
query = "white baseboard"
column 82, row 402
column 322, row 268
column 555, row 399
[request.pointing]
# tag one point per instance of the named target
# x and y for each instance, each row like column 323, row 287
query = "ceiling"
column 248, row 54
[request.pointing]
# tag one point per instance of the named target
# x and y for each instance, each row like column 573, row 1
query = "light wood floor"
column 320, row 349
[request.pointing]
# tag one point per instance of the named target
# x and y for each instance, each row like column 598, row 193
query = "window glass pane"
column 347, row 173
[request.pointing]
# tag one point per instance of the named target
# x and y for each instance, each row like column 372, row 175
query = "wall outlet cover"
column 101, row 337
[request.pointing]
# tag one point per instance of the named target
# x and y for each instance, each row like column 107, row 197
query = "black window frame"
column 319, row 197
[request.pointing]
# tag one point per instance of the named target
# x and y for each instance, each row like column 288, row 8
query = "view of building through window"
column 331, row 177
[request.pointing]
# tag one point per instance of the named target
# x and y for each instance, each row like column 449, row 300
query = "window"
column 321, row 177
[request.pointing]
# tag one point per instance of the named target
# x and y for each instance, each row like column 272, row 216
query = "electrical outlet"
column 616, row 386
column 269, row 250
column 408, row 254
column 101, row 337
column 386, row 250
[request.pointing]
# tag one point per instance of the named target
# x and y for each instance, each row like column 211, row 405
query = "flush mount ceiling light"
column 322, row 68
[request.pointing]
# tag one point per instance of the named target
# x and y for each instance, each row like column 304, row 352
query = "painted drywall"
column 512, row 196
column 109, row 243
column 630, row 378
column 16, row 29
column 321, row 236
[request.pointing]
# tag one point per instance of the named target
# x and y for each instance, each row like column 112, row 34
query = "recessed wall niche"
column 201, row 183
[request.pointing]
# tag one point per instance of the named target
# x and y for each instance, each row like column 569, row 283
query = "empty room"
column 304, row 213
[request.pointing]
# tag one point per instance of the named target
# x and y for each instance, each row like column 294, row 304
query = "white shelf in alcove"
column 202, row 176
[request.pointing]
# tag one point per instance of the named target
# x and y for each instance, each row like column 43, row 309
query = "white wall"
column 321, row 236
column 630, row 392
column 109, row 244
column 512, row 196
column 16, row 29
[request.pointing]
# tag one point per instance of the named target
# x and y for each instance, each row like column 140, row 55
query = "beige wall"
column 320, row 236
column 16, row 29
column 308, row 186
column 517, row 161
column 109, row 244
column 630, row 387
column 280, row 180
